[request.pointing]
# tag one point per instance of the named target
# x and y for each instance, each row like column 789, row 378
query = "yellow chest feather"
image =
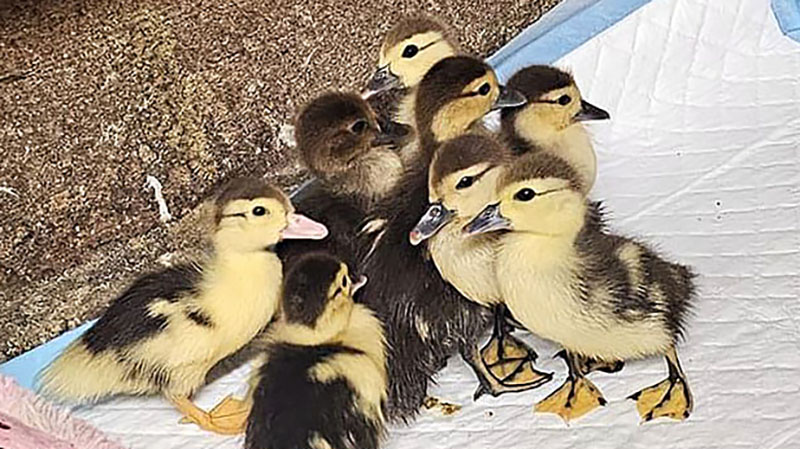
column 467, row 262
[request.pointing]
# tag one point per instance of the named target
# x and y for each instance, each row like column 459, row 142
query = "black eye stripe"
column 542, row 193
column 558, row 101
column 476, row 177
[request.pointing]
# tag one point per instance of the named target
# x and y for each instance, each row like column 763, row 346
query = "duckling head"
column 538, row 194
column 408, row 51
column 341, row 142
column 317, row 298
column 456, row 92
column 252, row 215
column 462, row 179
column 554, row 104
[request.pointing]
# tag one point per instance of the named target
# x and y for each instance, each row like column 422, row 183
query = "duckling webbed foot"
column 506, row 364
column 670, row 398
column 229, row 417
column 576, row 397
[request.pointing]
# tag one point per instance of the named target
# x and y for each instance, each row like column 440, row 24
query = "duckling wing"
column 129, row 319
column 637, row 283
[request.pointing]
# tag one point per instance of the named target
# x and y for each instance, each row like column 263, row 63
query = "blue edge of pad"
column 557, row 33
column 787, row 13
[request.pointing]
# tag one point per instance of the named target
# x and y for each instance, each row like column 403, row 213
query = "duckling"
column 409, row 50
column 323, row 380
column 167, row 330
column 355, row 164
column 341, row 143
column 462, row 180
column 599, row 295
column 552, row 119
column 426, row 319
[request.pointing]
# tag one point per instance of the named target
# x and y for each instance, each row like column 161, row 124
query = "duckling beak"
column 487, row 221
column 508, row 98
column 590, row 112
column 302, row 227
column 382, row 79
column 391, row 133
column 362, row 281
column 434, row 218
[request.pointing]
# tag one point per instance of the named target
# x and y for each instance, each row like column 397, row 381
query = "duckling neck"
column 574, row 145
column 467, row 262
column 406, row 107
column 241, row 289
column 373, row 176
column 364, row 333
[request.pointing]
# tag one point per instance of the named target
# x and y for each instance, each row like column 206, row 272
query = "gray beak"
column 391, row 133
column 509, row 98
column 382, row 79
column 590, row 112
column 434, row 218
column 487, row 221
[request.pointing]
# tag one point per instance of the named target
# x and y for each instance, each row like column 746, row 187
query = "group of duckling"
column 458, row 228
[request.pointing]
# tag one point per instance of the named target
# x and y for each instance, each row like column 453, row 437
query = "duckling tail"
column 80, row 376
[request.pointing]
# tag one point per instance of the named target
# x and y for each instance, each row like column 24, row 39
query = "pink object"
column 29, row 422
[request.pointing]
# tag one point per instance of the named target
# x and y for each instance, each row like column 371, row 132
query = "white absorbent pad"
column 701, row 158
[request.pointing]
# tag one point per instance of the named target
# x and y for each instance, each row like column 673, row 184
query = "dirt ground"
column 98, row 95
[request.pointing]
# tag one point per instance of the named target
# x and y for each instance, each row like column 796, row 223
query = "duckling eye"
column 564, row 100
column 410, row 51
column 484, row 89
column 344, row 282
column 259, row 211
column 359, row 126
column 525, row 194
column 465, row 182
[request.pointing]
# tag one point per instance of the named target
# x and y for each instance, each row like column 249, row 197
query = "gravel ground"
column 97, row 95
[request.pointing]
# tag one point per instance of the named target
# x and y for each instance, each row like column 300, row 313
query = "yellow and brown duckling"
column 597, row 294
column 426, row 319
column 323, row 380
column 551, row 120
column 409, row 50
column 462, row 180
column 164, row 333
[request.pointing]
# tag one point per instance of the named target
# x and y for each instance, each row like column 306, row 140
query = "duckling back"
column 323, row 381
column 103, row 361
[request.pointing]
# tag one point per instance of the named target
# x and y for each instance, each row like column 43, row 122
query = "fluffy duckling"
column 323, row 382
column 599, row 295
column 462, row 180
column 426, row 319
column 355, row 164
column 552, row 119
column 341, row 143
column 409, row 50
column 164, row 333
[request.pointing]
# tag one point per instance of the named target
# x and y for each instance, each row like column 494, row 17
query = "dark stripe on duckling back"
column 128, row 319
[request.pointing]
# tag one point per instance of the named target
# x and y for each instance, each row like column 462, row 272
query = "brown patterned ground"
column 96, row 95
